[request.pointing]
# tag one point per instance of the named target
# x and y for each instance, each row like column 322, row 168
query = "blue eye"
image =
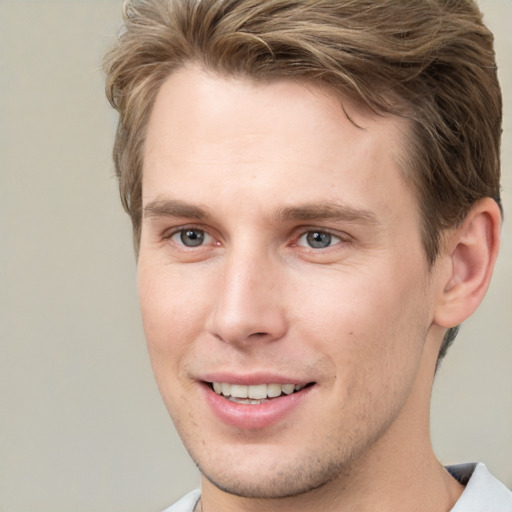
column 190, row 237
column 318, row 239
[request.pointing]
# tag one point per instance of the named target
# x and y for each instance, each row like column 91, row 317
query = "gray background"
column 82, row 427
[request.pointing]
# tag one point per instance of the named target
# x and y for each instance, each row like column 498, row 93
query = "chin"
column 272, row 480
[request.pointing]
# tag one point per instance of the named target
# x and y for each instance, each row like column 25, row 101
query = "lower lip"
column 254, row 416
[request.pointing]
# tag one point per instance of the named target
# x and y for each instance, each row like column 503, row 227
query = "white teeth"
column 288, row 389
column 254, row 393
column 274, row 390
column 246, row 401
column 258, row 392
column 239, row 391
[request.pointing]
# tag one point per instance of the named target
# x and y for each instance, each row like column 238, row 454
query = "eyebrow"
column 175, row 208
column 327, row 211
column 307, row 212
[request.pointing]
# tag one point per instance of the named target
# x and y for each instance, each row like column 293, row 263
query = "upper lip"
column 249, row 379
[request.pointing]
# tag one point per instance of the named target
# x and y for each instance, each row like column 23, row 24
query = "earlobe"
column 471, row 251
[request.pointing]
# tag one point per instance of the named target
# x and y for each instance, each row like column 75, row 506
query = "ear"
column 470, row 252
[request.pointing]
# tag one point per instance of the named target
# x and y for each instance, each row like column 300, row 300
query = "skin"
column 361, row 318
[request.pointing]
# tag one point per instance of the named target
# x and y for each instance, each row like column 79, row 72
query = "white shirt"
column 483, row 492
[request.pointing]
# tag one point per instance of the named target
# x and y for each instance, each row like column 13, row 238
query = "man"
column 314, row 191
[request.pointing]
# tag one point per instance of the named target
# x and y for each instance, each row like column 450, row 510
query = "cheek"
column 371, row 330
column 172, row 308
column 169, row 312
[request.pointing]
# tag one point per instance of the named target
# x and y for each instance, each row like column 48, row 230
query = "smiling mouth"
column 257, row 393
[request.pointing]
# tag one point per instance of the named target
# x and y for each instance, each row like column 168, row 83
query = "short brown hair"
column 431, row 61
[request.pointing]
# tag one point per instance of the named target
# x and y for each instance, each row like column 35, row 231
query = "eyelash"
column 332, row 239
column 303, row 232
column 180, row 231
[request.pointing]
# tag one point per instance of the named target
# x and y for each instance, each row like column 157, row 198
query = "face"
column 284, row 289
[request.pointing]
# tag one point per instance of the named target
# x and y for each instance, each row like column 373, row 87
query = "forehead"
column 278, row 137
column 192, row 93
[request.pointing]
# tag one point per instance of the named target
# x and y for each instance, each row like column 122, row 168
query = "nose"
column 248, row 304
